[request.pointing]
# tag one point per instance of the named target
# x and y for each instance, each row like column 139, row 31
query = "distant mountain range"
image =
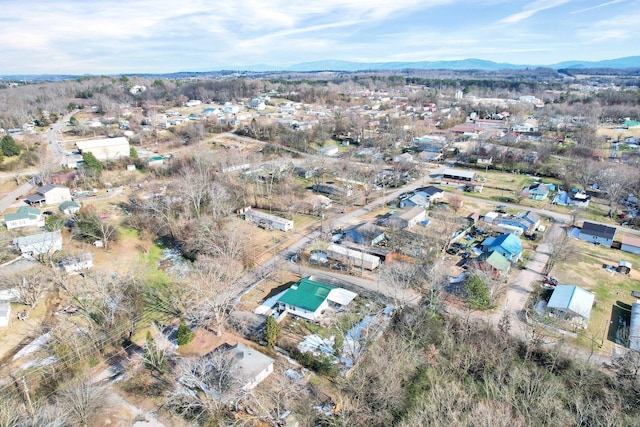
column 629, row 62
column 463, row 64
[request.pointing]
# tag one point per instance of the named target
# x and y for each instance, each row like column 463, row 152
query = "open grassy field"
column 612, row 290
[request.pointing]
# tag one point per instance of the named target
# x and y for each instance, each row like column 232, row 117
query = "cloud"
column 609, row 3
column 531, row 9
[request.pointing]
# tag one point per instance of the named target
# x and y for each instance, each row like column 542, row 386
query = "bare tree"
column 83, row 401
column 91, row 227
column 29, row 286
column 559, row 250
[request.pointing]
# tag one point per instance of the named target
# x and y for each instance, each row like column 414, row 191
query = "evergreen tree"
column 271, row 331
column 92, row 164
column 185, row 334
column 9, row 146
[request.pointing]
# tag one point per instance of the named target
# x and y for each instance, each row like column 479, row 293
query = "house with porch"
column 309, row 299
column 597, row 233
column 24, row 217
column 571, row 303
column 507, row 245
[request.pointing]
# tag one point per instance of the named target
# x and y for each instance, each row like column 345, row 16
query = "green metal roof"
column 68, row 204
column 306, row 294
column 23, row 213
column 495, row 260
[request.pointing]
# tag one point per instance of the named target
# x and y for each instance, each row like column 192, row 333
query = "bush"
column 185, row 334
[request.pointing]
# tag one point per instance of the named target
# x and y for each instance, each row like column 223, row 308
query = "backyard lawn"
column 612, row 291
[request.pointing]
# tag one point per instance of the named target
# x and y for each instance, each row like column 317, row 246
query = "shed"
column 5, row 314
column 69, row 208
column 77, row 263
column 624, row 267
column 572, row 302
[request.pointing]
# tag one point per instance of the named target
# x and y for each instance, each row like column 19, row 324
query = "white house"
column 50, row 194
column 266, row 220
column 572, row 302
column 310, row 299
column 39, row 244
column 69, row 208
column 192, row 103
column 251, row 367
column 353, row 257
column 330, row 150
column 407, row 218
column 24, row 217
column 77, row 263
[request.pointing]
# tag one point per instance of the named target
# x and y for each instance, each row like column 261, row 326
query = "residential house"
column 494, row 262
column 77, row 263
column 364, row 234
column 5, row 314
column 353, row 257
column 406, row 218
column 571, row 302
column 265, row 220
column 414, row 200
column 539, row 191
column 597, row 233
column 431, row 193
column 24, row 217
column 49, row 194
column 330, row 150
column 513, row 223
column 309, row 299
column 38, row 244
column 332, row 189
column 574, row 197
column 69, row 208
column 631, row 244
column 532, row 218
column 507, row 245
column 403, row 158
column 251, row 367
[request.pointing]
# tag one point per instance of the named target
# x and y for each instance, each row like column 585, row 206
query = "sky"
column 162, row 36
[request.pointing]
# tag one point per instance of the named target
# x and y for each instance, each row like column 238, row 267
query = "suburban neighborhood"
column 255, row 250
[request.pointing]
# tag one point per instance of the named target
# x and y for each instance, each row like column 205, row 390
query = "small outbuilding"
column 77, row 263
column 5, row 314
column 69, row 207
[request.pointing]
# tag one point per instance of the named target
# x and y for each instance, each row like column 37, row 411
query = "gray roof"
column 38, row 238
column 598, row 230
column 574, row 299
column 250, row 362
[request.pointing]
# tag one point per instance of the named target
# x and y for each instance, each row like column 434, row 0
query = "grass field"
column 612, row 290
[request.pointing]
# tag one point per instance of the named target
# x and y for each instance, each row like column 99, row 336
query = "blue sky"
column 157, row 36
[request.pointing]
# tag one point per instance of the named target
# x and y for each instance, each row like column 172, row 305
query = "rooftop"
column 306, row 294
